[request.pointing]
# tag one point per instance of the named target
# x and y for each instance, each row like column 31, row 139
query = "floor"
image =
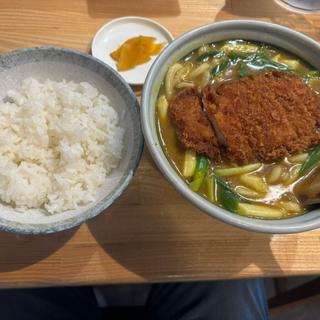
column 135, row 295
column 308, row 310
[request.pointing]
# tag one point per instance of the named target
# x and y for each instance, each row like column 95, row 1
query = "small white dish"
column 111, row 35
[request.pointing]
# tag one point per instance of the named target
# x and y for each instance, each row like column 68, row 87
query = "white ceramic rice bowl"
column 58, row 64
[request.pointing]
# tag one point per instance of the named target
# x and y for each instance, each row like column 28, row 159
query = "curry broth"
column 277, row 192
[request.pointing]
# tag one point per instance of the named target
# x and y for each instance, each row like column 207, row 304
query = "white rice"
column 58, row 142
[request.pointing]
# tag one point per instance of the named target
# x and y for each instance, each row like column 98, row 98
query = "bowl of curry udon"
column 231, row 116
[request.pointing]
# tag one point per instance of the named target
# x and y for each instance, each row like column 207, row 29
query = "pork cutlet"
column 261, row 117
column 194, row 130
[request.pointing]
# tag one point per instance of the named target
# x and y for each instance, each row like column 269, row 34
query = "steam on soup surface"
column 260, row 184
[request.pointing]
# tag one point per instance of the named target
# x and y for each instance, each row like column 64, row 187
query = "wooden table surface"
column 151, row 233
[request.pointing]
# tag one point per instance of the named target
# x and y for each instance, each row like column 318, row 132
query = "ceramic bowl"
column 276, row 35
column 58, row 64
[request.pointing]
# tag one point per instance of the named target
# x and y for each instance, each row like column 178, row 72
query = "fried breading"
column 193, row 128
column 264, row 117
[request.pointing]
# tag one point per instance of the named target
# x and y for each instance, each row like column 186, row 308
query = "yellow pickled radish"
column 135, row 51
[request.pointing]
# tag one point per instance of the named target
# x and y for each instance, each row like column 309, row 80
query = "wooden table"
column 151, row 233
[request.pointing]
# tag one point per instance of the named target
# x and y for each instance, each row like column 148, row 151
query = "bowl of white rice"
column 70, row 139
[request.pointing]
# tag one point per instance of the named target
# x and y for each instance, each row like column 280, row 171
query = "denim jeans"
column 214, row 300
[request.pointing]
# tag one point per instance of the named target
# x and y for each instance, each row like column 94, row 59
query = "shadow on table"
column 20, row 251
column 267, row 10
column 112, row 9
column 166, row 244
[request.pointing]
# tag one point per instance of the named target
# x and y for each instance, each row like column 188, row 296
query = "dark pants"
column 214, row 300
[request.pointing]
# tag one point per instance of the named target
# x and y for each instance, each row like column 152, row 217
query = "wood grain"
column 151, row 233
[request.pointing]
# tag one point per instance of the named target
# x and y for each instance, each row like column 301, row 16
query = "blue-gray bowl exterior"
column 282, row 37
column 53, row 54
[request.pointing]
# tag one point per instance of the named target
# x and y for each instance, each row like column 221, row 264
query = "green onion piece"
column 234, row 55
column 243, row 70
column 312, row 161
column 226, row 196
column 262, row 63
column 227, row 199
column 209, row 54
column 200, row 173
column 211, row 188
column 219, row 68
column 223, row 184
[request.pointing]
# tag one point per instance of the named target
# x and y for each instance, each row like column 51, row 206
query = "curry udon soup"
column 259, row 190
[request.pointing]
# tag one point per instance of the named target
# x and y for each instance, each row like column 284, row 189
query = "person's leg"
column 214, row 300
column 76, row 303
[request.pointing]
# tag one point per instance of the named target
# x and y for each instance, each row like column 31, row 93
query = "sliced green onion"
column 209, row 54
column 311, row 162
column 219, row 68
column 226, row 196
column 200, row 173
column 223, row 184
column 228, row 199
column 243, row 72
column 211, row 188
column 234, row 55
column 262, row 62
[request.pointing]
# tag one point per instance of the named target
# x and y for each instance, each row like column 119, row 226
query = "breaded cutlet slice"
column 264, row 117
column 193, row 128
